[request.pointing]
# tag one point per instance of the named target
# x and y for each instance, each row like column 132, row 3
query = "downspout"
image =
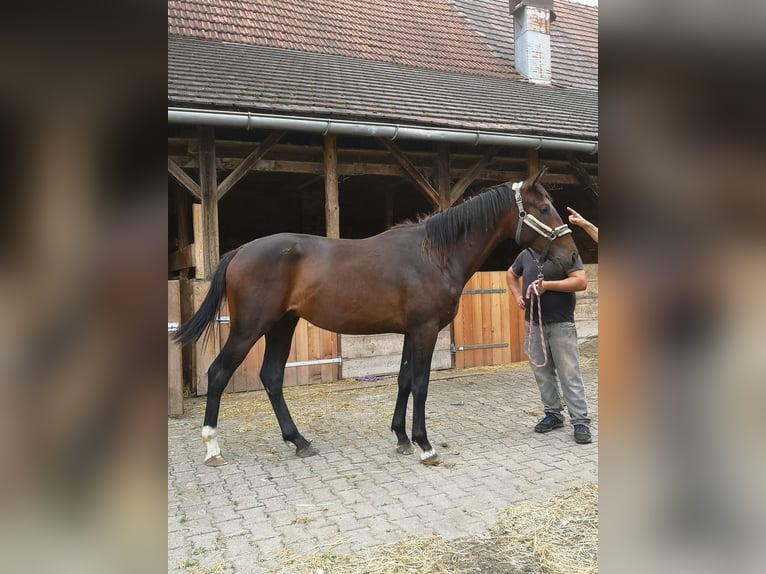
column 248, row 121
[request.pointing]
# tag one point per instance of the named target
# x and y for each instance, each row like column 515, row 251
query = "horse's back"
column 344, row 285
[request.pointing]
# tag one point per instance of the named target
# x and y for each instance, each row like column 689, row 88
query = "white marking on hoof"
column 210, row 438
column 427, row 455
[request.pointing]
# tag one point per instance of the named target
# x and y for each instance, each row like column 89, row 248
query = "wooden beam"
column 441, row 170
column 582, row 174
column 230, row 153
column 241, row 170
column 420, row 182
column 181, row 259
column 470, row 176
column 563, row 178
column 331, row 208
column 209, row 190
column 184, row 179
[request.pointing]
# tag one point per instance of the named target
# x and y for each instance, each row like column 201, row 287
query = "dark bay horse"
column 405, row 280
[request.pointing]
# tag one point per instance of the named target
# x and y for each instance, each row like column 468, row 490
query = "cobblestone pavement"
column 358, row 493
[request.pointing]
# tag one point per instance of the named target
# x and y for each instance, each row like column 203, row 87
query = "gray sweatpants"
column 564, row 361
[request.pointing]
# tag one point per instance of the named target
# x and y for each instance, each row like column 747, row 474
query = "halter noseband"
column 549, row 233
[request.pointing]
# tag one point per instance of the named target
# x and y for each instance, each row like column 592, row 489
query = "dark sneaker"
column 582, row 434
column 549, row 423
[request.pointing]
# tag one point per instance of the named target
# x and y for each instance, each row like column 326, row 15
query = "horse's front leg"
column 423, row 343
column 403, row 446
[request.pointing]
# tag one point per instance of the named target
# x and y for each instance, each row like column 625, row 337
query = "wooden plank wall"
column 175, row 365
column 370, row 355
column 309, row 343
column 488, row 319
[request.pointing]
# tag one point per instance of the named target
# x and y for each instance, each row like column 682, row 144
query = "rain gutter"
column 249, row 121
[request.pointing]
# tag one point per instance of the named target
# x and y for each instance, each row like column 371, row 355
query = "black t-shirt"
column 558, row 307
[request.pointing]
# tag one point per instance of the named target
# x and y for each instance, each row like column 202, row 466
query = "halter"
column 551, row 235
column 546, row 231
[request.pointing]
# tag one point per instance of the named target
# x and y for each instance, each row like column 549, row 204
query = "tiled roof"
column 207, row 73
column 574, row 37
column 419, row 33
column 464, row 36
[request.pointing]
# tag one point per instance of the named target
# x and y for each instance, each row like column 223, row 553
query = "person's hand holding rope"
column 538, row 286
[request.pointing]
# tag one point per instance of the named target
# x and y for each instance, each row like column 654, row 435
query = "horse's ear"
column 539, row 175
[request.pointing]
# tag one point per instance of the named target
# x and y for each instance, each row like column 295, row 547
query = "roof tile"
column 420, row 33
column 257, row 78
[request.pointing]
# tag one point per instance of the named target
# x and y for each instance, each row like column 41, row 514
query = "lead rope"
column 534, row 292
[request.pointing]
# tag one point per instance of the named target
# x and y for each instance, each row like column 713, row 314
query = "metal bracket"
column 455, row 349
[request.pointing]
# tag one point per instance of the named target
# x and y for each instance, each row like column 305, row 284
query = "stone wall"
column 586, row 312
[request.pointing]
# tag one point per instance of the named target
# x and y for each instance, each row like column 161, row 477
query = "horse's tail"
column 206, row 314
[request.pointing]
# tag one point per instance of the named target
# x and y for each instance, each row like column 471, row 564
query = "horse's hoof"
column 405, row 448
column 216, row 460
column 306, row 451
column 430, row 458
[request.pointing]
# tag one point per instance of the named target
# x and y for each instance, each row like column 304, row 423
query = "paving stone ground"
column 357, row 492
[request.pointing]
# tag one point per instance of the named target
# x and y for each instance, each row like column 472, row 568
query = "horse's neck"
column 472, row 252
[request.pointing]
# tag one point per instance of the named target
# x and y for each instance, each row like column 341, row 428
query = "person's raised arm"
column 578, row 220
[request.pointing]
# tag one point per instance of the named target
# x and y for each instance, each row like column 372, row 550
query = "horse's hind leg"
column 222, row 368
column 278, row 341
column 403, row 446
column 423, row 343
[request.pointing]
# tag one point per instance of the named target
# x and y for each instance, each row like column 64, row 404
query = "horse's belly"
column 352, row 322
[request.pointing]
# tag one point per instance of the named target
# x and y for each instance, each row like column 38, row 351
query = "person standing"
column 557, row 298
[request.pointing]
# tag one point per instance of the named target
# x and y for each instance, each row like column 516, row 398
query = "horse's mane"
column 445, row 228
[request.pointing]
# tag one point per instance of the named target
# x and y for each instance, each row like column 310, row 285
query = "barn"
column 343, row 118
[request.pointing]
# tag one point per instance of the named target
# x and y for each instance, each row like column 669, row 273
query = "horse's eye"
column 544, row 210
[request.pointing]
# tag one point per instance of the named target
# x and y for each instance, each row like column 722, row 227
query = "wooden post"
column 175, row 367
column 331, row 208
column 198, row 257
column 209, row 190
column 185, row 234
column 442, row 174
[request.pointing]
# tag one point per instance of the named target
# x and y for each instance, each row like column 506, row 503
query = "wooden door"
column 488, row 328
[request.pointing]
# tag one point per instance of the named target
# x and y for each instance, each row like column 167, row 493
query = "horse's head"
column 540, row 226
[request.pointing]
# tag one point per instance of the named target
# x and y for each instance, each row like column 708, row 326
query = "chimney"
column 532, row 33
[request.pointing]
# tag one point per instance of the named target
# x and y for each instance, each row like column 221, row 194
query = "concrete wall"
column 586, row 312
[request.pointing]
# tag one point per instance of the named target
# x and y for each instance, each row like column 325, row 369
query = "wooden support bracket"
column 184, row 179
column 469, row 176
column 241, row 170
column 409, row 168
